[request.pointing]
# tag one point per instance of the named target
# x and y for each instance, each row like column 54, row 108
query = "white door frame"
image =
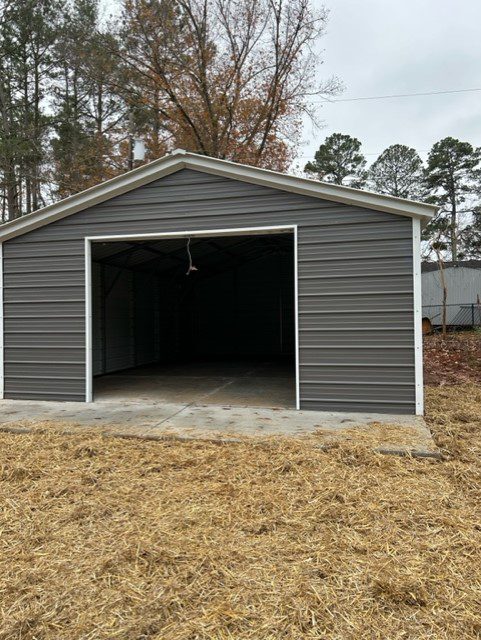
column 237, row 231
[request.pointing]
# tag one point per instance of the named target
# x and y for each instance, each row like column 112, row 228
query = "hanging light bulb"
column 191, row 266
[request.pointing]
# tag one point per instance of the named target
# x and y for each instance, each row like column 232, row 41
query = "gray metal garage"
column 194, row 261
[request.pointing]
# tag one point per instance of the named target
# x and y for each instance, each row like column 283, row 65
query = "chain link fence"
column 461, row 315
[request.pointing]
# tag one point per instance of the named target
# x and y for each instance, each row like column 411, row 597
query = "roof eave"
column 90, row 197
column 309, row 187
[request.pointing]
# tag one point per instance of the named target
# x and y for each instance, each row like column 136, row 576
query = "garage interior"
column 201, row 320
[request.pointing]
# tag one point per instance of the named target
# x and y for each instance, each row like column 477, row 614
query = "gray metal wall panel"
column 357, row 252
column 355, row 272
column 42, row 356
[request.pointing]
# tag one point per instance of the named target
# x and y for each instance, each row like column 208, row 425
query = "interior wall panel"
column 119, row 319
column 98, row 320
column 146, row 327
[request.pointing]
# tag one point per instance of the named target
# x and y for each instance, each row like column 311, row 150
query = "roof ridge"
column 180, row 159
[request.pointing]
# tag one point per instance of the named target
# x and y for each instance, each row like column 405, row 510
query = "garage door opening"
column 206, row 320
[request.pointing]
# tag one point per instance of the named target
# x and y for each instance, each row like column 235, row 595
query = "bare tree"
column 445, row 291
column 226, row 78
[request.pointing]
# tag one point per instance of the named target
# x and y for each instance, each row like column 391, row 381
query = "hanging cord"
column 191, row 266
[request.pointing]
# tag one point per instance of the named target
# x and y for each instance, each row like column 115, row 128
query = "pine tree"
column 472, row 236
column 88, row 113
column 28, row 30
column 451, row 174
column 10, row 131
column 399, row 172
column 339, row 160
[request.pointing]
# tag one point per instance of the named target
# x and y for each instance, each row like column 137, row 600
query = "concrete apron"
column 160, row 420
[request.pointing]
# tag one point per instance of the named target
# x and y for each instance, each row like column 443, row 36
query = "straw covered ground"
column 104, row 538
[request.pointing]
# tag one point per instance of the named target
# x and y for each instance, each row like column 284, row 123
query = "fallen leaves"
column 454, row 360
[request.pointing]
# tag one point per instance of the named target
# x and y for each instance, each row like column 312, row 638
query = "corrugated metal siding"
column 355, row 288
column 125, row 319
column 463, row 287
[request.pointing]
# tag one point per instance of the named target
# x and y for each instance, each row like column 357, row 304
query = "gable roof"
column 180, row 159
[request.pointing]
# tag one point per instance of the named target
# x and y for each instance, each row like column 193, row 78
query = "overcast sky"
column 379, row 47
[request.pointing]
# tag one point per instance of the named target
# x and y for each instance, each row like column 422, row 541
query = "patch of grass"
column 118, row 539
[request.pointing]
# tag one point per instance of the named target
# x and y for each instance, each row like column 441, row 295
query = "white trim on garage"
column 176, row 234
column 417, row 304
column 296, row 320
column 180, row 159
column 88, row 322
column 2, row 328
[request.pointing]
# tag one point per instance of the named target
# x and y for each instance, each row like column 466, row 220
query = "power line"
column 397, row 95
column 376, row 153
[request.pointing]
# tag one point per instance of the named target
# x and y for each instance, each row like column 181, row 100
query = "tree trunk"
column 454, row 216
column 9, row 174
column 445, row 293
column 37, row 140
column 454, row 238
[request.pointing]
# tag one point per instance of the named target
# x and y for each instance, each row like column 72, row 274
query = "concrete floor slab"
column 164, row 389
column 157, row 421
column 254, row 392
column 194, row 403
column 254, row 421
column 95, row 414
column 258, row 384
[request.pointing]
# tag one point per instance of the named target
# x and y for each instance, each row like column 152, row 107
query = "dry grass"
column 378, row 435
column 121, row 539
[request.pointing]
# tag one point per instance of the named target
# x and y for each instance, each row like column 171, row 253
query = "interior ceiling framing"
column 210, row 253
